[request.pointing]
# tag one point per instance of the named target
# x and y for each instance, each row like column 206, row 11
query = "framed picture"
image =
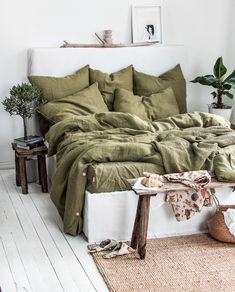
column 146, row 23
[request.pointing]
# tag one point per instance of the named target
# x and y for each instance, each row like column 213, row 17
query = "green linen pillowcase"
column 146, row 85
column 85, row 102
column 44, row 124
column 156, row 106
column 58, row 87
column 108, row 83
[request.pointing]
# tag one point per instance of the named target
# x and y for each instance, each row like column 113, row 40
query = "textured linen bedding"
column 84, row 145
column 112, row 176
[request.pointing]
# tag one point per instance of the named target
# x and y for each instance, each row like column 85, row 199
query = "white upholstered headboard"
column 154, row 59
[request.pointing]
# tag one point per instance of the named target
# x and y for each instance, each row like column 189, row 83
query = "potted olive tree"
column 23, row 101
column 222, row 87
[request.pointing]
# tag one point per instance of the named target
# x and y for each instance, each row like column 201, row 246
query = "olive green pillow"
column 108, row 83
column 156, row 106
column 57, row 87
column 85, row 102
column 146, row 85
column 44, row 124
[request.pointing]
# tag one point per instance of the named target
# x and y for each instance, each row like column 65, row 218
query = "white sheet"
column 229, row 218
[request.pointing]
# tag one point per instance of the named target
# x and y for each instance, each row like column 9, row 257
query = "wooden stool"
column 20, row 166
column 140, row 229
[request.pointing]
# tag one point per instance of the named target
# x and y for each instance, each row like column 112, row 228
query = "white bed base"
column 111, row 215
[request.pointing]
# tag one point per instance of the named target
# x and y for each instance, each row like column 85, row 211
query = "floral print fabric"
column 194, row 179
column 186, row 203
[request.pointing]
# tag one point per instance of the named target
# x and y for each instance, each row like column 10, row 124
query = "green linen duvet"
column 179, row 143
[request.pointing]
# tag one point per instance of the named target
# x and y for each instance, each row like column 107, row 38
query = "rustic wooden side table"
column 140, row 229
column 20, row 166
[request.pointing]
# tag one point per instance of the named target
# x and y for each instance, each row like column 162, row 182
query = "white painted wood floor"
column 35, row 254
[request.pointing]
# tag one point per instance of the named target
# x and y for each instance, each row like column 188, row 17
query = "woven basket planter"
column 217, row 227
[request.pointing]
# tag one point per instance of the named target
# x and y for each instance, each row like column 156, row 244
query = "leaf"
column 231, row 79
column 23, row 100
column 227, row 86
column 205, row 80
column 228, row 94
column 214, row 94
column 219, row 68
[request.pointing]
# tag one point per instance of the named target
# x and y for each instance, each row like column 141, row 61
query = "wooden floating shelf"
column 143, row 44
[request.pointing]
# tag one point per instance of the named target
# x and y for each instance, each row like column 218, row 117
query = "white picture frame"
column 146, row 23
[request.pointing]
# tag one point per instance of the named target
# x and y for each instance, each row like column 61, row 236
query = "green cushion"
column 156, row 106
column 108, row 83
column 146, row 85
column 58, row 87
column 85, row 102
column 44, row 124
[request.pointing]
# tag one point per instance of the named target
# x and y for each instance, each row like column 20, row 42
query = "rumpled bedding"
column 180, row 143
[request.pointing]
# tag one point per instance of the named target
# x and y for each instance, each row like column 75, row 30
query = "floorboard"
column 6, row 277
column 16, row 264
column 35, row 254
column 77, row 244
column 12, row 225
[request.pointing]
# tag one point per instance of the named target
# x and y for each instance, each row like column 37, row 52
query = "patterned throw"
column 112, row 248
column 194, row 179
column 186, row 203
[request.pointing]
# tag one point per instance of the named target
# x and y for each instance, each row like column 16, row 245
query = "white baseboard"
column 7, row 165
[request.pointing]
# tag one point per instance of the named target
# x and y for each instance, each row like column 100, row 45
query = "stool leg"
column 17, row 170
column 39, row 175
column 23, row 176
column 135, row 233
column 143, row 226
column 42, row 172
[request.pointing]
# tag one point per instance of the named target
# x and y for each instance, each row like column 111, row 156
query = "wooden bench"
column 140, row 229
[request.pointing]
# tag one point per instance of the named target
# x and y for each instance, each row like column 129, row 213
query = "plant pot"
column 31, row 169
column 223, row 112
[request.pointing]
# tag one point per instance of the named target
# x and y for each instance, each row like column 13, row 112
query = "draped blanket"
column 180, row 143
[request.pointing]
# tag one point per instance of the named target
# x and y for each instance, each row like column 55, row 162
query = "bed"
column 110, row 214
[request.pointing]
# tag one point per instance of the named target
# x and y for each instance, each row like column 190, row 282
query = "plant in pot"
column 222, row 88
column 23, row 101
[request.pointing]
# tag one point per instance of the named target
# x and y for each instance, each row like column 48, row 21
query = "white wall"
column 202, row 26
column 231, row 39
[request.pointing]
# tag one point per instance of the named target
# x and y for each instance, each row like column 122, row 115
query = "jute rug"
column 194, row 263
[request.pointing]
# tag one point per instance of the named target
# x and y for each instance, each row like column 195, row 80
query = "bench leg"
column 42, row 173
column 135, row 233
column 23, row 175
column 143, row 226
column 140, row 230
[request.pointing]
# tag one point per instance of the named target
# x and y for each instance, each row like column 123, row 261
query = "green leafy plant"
column 219, row 82
column 23, row 101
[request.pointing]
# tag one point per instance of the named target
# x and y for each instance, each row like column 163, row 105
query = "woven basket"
column 216, row 225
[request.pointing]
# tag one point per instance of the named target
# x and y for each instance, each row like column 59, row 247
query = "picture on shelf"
column 146, row 24
column 151, row 35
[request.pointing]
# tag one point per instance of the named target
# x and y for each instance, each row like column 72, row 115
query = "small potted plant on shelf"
column 222, row 88
column 23, row 101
